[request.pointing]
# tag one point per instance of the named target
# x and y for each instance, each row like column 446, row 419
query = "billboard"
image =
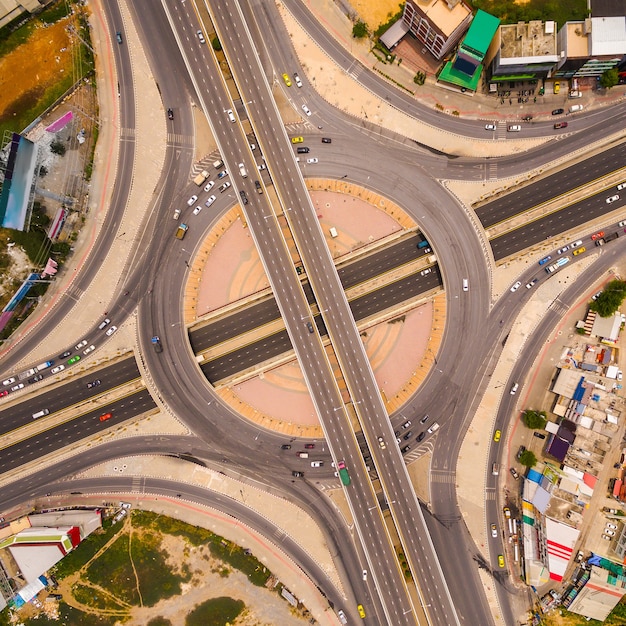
column 18, row 180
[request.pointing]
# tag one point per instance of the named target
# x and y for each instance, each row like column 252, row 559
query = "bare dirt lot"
column 29, row 70
column 375, row 12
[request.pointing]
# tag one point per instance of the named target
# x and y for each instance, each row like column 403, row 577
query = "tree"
column 534, row 419
column 57, row 147
column 610, row 300
column 215, row 43
column 609, row 78
column 360, row 30
column 528, row 458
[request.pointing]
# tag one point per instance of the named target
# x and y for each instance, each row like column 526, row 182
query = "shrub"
column 534, row 419
column 360, row 30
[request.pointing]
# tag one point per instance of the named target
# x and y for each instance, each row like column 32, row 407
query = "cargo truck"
column 44, row 366
column 343, row 473
column 560, row 263
column 602, row 240
column 181, row 231
column 200, row 178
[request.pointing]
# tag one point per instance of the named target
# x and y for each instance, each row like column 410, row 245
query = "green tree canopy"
column 528, row 458
column 360, row 30
column 534, row 419
column 610, row 300
column 609, row 78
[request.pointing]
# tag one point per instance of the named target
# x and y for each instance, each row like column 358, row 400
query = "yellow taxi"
column 507, row 512
column 579, row 251
column 557, row 87
column 497, row 435
column 297, row 139
column 500, row 560
column 361, row 610
column 287, row 80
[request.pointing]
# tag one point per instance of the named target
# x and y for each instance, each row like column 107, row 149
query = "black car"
column 558, row 111
column 244, row 198
column 405, row 449
column 303, row 150
column 521, row 451
column 297, row 474
column 421, row 436
column 539, row 435
column 285, row 446
column 65, row 354
column 94, row 383
column 326, row 140
column 118, row 35
column 37, row 378
column 408, row 435
column 425, row 419
column 170, row 114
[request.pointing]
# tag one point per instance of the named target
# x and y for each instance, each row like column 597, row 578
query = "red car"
column 560, row 125
column 105, row 417
column 309, row 446
column 597, row 235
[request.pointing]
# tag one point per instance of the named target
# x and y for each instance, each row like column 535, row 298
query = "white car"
column 364, row 575
column 612, row 199
column 210, row 185
column 620, row 375
column 516, row 286
column 210, row 200
column 381, row 443
column 197, row 209
column 80, row 345
column 200, row 36
column 191, row 200
column 111, row 330
column 57, row 369
column 91, row 348
column 297, row 79
column 231, row 116
column 18, row 387
column 306, row 109
column 224, row 187
column 622, row 223
column 313, row 160
column 610, row 533
column 317, row 463
column 490, row 127
column 8, row 381
column 612, row 526
column 514, row 128
column 494, row 531
column 428, row 270
column 562, row 250
column 176, row 214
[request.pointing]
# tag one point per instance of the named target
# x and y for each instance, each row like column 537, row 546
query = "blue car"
column 545, row 260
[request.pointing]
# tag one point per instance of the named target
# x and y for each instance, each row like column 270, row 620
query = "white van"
column 495, row 469
column 433, row 428
column 303, row 455
column 576, row 107
column 41, row 413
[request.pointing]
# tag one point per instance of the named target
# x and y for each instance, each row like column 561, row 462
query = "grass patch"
column 511, row 12
column 113, row 571
column 159, row 621
column 232, row 554
column 215, row 612
column 92, row 597
column 86, row 550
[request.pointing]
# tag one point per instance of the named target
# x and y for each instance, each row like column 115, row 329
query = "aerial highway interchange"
column 440, row 553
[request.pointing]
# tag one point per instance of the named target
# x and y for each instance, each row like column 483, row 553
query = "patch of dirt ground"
column 375, row 12
column 211, row 578
column 33, row 66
